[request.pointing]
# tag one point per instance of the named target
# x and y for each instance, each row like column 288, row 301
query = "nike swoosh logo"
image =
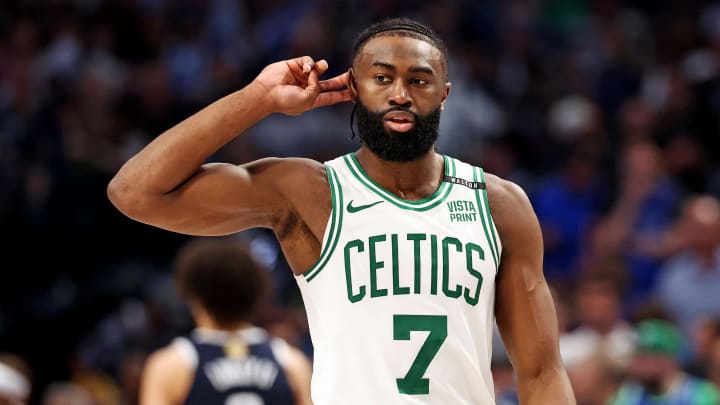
column 351, row 209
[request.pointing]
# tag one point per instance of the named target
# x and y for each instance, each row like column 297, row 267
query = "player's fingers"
column 300, row 67
column 312, row 88
column 321, row 66
column 334, row 83
column 332, row 97
column 305, row 63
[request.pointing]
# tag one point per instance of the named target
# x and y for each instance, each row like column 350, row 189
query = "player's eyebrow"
column 384, row 65
column 422, row 69
column 414, row 69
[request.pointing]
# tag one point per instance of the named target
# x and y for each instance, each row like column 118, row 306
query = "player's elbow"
column 126, row 197
column 545, row 368
column 545, row 383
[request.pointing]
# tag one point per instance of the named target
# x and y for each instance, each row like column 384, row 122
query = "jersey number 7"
column 413, row 383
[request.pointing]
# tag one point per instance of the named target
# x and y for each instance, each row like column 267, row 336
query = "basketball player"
column 404, row 256
column 225, row 360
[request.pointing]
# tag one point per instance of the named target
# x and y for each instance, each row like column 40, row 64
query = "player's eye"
column 419, row 82
column 382, row 79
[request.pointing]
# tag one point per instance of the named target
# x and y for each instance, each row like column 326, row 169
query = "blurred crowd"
column 606, row 112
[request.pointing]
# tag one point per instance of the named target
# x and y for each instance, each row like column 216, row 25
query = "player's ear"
column 352, row 85
column 446, row 93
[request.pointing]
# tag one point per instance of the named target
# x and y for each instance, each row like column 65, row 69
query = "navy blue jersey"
column 240, row 368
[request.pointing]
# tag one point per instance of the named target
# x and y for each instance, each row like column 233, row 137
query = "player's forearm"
column 176, row 154
column 551, row 386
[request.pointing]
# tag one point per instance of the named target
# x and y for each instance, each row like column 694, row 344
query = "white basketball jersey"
column 401, row 301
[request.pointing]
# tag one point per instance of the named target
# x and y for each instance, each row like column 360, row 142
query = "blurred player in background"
column 226, row 359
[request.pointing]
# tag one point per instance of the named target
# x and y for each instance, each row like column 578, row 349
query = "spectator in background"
column 655, row 375
column 694, row 271
column 705, row 333
column 66, row 393
column 226, row 358
column 602, row 330
column 101, row 388
column 567, row 204
column 713, row 363
column 15, row 380
column 644, row 209
column 595, row 380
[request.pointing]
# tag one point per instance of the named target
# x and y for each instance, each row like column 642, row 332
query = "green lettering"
column 397, row 290
column 446, row 266
column 469, row 249
column 376, row 265
column 433, row 264
column 348, row 271
column 416, row 238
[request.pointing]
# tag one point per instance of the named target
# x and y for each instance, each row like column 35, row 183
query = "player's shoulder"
column 498, row 188
column 510, row 206
column 504, row 194
column 168, row 358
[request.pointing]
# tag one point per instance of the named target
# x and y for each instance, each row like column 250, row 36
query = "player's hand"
column 293, row 87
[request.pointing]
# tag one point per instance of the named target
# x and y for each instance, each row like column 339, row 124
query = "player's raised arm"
column 167, row 184
column 523, row 305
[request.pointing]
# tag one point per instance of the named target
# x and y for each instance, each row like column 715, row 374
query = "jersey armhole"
column 486, row 218
column 332, row 231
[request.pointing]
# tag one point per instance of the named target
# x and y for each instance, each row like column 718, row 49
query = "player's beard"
column 397, row 146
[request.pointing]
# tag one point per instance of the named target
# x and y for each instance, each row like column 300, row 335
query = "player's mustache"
column 399, row 108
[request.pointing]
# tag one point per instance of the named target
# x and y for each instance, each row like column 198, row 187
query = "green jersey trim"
column 489, row 216
column 420, row 205
column 335, row 225
column 482, row 218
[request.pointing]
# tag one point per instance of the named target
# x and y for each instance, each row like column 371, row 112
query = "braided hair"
column 403, row 27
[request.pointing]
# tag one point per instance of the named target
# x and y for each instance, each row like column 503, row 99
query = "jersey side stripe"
column 482, row 219
column 335, row 226
column 420, row 205
column 489, row 215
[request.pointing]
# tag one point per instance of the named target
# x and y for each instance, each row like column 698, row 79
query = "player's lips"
column 399, row 121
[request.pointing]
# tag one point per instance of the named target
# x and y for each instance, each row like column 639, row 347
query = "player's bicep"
column 223, row 198
column 524, row 309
